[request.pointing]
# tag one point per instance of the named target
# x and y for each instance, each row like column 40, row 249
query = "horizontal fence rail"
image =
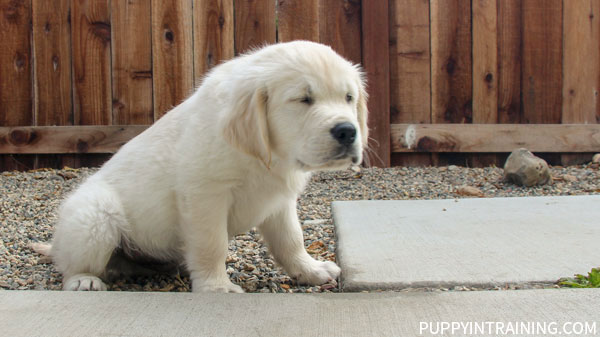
column 406, row 138
column 474, row 138
column 66, row 139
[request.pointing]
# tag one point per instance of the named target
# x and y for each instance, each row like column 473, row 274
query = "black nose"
column 344, row 133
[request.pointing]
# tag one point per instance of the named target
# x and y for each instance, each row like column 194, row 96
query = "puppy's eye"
column 307, row 100
column 349, row 98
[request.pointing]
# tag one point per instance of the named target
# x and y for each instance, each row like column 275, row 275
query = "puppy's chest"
column 251, row 206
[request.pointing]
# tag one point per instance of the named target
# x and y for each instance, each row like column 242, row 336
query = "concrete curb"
column 31, row 313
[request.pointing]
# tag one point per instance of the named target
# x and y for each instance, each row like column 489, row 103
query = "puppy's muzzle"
column 345, row 134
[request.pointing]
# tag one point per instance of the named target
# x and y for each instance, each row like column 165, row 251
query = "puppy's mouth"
column 343, row 158
column 346, row 153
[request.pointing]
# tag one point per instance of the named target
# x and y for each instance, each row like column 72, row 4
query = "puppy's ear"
column 363, row 112
column 246, row 126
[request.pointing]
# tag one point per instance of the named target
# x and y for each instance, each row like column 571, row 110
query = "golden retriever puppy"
column 234, row 155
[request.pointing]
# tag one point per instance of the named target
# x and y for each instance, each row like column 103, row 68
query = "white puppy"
column 234, row 155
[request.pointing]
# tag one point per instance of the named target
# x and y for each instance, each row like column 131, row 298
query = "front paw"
column 318, row 272
column 216, row 287
column 84, row 282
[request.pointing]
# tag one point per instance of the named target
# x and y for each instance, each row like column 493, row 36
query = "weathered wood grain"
column 410, row 70
column 375, row 41
column 340, row 27
column 297, row 20
column 172, row 53
column 492, row 138
column 581, row 63
column 90, row 30
column 541, row 81
column 52, row 62
column 91, row 58
column 410, row 62
column 510, row 25
column 485, row 61
column 542, row 61
column 581, row 66
column 16, row 106
column 15, row 63
column 213, row 34
column 66, row 139
column 468, row 138
column 52, row 71
column 131, row 62
column 451, row 66
column 254, row 24
column 485, row 70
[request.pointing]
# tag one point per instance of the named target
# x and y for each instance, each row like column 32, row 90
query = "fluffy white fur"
column 234, row 155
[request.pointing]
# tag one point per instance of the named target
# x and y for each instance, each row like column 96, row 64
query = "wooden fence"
column 493, row 62
column 78, row 78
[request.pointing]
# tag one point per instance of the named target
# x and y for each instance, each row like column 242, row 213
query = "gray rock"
column 525, row 169
column 596, row 158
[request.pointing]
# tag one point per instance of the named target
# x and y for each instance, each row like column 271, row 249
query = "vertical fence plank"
column 16, row 106
column 410, row 62
column 297, row 20
column 213, row 34
column 90, row 26
column 451, row 61
column 485, row 70
column 254, row 24
column 52, row 58
column 485, row 63
column 541, row 77
column 131, row 62
column 542, row 61
column 52, row 71
column 581, row 66
column 375, row 57
column 509, row 61
column 581, row 61
column 451, row 67
column 15, row 63
column 91, row 58
column 172, row 53
column 410, row 70
column 340, row 27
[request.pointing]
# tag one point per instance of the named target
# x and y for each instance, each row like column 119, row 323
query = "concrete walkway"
column 477, row 242
column 30, row 313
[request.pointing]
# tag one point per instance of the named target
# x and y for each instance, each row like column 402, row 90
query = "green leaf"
column 572, row 284
column 592, row 280
column 594, row 277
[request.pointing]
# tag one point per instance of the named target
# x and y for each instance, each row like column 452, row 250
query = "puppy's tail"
column 41, row 248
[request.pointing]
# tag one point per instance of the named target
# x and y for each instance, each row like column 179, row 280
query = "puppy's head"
column 300, row 103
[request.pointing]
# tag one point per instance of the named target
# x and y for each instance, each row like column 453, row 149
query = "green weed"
column 592, row 280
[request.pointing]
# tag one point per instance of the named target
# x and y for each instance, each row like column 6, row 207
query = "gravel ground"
column 29, row 200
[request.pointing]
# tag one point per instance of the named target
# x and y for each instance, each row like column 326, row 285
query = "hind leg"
column 89, row 229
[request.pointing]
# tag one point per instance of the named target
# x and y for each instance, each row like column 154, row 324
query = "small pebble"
column 469, row 191
column 315, row 222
